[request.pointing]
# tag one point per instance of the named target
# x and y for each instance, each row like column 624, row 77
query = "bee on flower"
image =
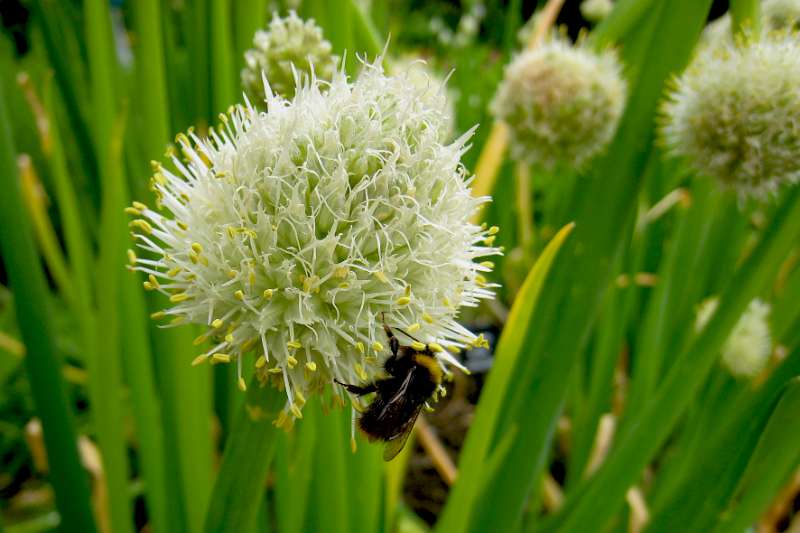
column 296, row 234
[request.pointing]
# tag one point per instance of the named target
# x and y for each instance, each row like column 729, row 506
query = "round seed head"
column 735, row 114
column 748, row 347
column 562, row 104
column 290, row 47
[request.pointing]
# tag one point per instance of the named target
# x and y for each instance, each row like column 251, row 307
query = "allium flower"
column 293, row 233
column 596, row 10
column 562, row 104
column 735, row 114
column 748, row 347
column 290, row 46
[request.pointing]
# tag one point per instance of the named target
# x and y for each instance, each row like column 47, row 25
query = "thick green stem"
column 242, row 477
column 67, row 476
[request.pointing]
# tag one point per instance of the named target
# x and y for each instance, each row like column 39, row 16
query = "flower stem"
column 246, row 461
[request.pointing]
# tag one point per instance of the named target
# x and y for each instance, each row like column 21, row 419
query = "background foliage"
column 604, row 409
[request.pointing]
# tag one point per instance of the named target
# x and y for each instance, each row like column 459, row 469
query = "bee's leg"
column 358, row 390
column 394, row 344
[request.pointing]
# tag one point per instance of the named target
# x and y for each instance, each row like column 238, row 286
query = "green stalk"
column 69, row 480
column 241, row 483
column 366, row 35
column 746, row 16
column 222, row 61
column 249, row 16
column 105, row 385
column 647, row 432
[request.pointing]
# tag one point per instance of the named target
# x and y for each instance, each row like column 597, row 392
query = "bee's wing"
column 396, row 444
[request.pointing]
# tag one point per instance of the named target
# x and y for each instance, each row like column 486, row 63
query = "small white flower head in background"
column 596, row 10
column 776, row 15
column 562, row 104
column 734, row 114
column 747, row 349
column 291, row 233
column 290, row 47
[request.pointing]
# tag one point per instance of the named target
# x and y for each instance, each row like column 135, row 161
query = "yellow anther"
column 142, row 225
column 435, row 347
column 381, row 276
column 260, row 362
column 493, row 230
column 360, row 347
column 200, row 339
column 177, row 320
column 360, row 372
column 193, row 256
column 217, row 323
column 488, row 241
column 178, row 298
column 418, row 346
column 248, row 344
column 159, row 178
column 308, row 283
column 242, row 385
column 281, row 420
column 182, row 225
column 291, row 361
column 223, row 118
column 377, row 346
column 446, row 302
column 295, row 411
column 232, row 274
column 239, row 295
column 197, row 247
column 200, row 359
column 252, row 278
column 131, row 256
column 353, row 445
column 153, row 281
column 172, row 272
column 133, row 211
column 275, row 370
column 403, row 300
column 148, row 286
column 155, row 165
column 139, row 206
column 408, row 290
column 480, row 280
column 453, row 348
column 344, row 285
column 427, row 318
column 414, row 327
column 229, row 338
column 221, row 358
column 371, row 360
column 312, row 366
column 158, row 315
column 298, row 395
column 294, row 344
column 267, row 294
column 487, row 264
column 341, row 272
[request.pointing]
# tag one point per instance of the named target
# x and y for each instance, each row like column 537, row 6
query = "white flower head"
column 429, row 84
column 294, row 233
column 747, row 349
column 562, row 103
column 735, row 114
column 290, row 47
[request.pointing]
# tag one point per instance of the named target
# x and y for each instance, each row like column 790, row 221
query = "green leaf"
column 509, row 354
column 775, row 458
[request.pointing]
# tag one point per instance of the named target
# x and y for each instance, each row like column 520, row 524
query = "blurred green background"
column 603, row 410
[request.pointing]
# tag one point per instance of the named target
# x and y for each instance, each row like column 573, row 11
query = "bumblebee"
column 413, row 378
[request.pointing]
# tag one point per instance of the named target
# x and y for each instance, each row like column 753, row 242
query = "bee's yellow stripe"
column 431, row 365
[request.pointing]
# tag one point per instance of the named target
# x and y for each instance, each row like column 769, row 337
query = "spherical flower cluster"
column 735, row 114
column 596, row 10
column 290, row 47
column 747, row 349
column 297, row 232
column 562, row 104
